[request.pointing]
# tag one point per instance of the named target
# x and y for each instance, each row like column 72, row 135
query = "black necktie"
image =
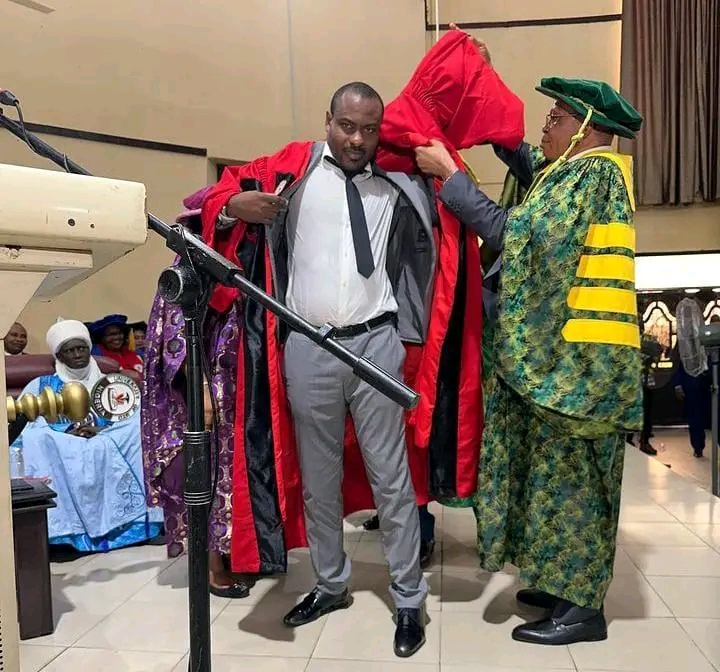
column 358, row 224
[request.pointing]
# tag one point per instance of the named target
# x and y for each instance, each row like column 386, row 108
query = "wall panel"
column 462, row 11
column 375, row 41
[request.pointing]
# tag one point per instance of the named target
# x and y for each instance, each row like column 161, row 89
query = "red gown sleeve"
column 292, row 159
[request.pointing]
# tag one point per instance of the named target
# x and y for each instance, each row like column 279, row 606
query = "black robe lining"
column 442, row 451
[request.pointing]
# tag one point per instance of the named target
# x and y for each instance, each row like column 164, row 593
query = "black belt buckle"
column 364, row 327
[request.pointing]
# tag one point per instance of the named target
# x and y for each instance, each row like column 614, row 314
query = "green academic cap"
column 610, row 110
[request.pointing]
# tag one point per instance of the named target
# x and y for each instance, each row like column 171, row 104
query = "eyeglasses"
column 554, row 119
column 79, row 349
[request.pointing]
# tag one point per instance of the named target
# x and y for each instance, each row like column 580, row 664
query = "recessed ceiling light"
column 692, row 291
column 716, row 290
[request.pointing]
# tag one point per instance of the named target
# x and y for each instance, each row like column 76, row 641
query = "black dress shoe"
column 372, row 524
column 237, row 590
column 315, row 605
column 569, row 624
column 427, row 549
column 532, row 597
column 410, row 632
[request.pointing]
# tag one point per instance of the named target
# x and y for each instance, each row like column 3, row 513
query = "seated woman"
column 94, row 466
column 110, row 338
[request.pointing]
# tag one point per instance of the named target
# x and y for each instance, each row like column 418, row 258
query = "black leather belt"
column 357, row 329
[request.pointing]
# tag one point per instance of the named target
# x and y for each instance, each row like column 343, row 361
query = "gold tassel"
column 470, row 172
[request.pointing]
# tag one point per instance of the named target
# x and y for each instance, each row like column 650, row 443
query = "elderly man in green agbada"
column 566, row 357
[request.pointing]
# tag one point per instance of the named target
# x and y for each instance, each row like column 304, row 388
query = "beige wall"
column 240, row 79
column 243, row 78
column 475, row 11
column 684, row 229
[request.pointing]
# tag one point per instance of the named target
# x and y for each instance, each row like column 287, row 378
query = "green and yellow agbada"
column 567, row 365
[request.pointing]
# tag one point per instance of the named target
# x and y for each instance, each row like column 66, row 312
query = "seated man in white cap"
column 95, row 466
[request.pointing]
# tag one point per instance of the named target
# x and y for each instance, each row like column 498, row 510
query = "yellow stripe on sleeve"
column 606, row 267
column 605, row 332
column 614, row 234
column 603, row 300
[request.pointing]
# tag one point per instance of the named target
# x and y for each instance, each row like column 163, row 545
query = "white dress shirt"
column 324, row 284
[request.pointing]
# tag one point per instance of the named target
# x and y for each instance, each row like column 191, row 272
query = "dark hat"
column 96, row 328
column 138, row 326
column 611, row 111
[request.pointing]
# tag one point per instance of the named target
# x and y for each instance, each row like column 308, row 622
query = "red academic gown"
column 456, row 97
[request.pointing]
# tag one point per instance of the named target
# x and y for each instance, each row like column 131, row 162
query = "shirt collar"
column 367, row 172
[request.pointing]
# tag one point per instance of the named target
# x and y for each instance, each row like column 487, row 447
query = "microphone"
column 8, row 98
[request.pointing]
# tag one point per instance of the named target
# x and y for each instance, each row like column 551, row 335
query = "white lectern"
column 56, row 229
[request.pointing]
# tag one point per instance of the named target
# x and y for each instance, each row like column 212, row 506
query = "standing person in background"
column 693, row 376
column 16, row 340
column 110, row 336
column 651, row 353
column 695, row 394
column 164, row 418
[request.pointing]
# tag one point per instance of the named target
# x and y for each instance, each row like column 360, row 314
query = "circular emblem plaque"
column 115, row 397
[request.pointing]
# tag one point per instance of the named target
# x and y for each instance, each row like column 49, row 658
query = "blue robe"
column 99, row 481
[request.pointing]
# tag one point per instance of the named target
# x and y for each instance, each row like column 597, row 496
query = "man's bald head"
column 16, row 339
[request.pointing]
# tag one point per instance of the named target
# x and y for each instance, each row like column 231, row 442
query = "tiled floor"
column 126, row 611
column 674, row 451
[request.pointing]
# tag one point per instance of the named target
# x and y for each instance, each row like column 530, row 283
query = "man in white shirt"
column 343, row 240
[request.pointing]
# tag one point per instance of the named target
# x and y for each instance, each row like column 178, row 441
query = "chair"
column 21, row 369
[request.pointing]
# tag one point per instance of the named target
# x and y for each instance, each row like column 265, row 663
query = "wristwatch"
column 224, row 221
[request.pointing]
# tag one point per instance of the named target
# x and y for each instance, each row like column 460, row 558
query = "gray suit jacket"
column 481, row 214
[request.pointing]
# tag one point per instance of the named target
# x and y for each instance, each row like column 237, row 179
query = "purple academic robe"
column 164, row 417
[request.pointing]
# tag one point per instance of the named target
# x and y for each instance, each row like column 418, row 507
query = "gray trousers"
column 321, row 389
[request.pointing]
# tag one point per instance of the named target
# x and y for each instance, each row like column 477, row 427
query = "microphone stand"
column 189, row 284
